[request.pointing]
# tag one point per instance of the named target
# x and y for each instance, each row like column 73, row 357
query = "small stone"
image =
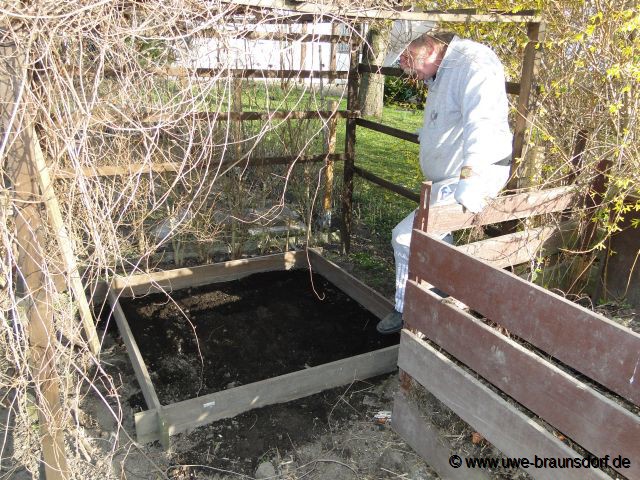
column 265, row 470
column 392, row 460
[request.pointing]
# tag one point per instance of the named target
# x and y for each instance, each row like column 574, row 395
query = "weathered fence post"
column 332, row 124
column 350, row 143
column 18, row 157
column 535, row 32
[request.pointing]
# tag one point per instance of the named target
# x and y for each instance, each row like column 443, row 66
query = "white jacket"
column 465, row 116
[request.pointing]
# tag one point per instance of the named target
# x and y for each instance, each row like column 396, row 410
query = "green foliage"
column 404, row 93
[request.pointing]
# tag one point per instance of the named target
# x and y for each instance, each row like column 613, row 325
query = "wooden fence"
column 575, row 369
column 521, row 90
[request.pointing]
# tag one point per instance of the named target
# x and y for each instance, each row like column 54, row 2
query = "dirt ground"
column 331, row 435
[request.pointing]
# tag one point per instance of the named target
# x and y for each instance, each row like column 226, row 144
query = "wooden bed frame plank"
column 361, row 293
column 591, row 343
column 589, row 418
column 145, row 283
column 510, row 430
column 139, row 367
column 192, row 413
column 427, row 441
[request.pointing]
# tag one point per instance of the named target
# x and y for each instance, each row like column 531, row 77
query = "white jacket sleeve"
column 486, row 135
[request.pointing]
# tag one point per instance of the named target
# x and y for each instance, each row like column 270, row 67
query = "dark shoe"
column 392, row 323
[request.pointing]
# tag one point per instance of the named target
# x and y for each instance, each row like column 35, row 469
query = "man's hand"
column 470, row 194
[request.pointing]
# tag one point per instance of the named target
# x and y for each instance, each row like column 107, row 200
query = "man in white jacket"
column 465, row 142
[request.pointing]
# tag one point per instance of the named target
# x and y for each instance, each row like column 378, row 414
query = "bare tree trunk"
column 372, row 84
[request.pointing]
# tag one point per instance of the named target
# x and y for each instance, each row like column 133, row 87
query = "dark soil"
column 207, row 339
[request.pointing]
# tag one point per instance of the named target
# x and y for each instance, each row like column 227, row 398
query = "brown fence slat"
column 167, row 167
column 427, row 440
column 589, row 418
column 500, row 422
column 394, row 132
column 520, row 247
column 399, row 189
column 582, row 339
column 447, row 218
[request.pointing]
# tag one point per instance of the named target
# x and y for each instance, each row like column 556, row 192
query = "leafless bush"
column 146, row 156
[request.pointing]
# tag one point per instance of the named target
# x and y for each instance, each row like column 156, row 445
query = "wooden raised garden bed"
column 209, row 303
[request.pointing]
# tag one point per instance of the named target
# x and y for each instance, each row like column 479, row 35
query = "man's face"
column 420, row 61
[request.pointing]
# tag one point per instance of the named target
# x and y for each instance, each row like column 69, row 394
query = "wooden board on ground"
column 139, row 367
column 169, row 280
column 361, row 293
column 427, row 441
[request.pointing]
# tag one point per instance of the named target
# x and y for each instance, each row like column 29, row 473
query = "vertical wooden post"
column 350, row 143
column 535, row 32
column 594, row 200
column 55, row 219
column 303, row 53
column 333, row 58
column 332, row 124
column 236, row 193
column 21, row 170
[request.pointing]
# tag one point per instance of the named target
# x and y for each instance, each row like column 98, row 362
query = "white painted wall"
column 267, row 54
column 277, row 55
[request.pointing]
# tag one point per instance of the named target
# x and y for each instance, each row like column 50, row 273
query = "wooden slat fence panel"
column 595, row 422
column 501, row 423
column 580, row 338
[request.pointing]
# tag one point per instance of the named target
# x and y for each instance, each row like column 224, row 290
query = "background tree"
column 372, row 84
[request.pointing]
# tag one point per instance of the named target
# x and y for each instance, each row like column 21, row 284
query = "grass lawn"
column 388, row 157
column 392, row 159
